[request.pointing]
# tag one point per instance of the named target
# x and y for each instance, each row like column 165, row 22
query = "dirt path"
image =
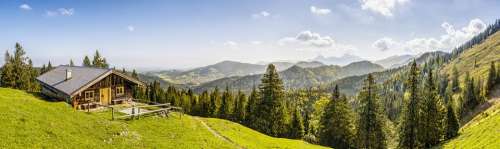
column 217, row 134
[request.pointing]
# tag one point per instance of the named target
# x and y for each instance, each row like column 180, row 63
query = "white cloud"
column 310, row 41
column 61, row 12
column 130, row 28
column 383, row 7
column 451, row 39
column 25, row 7
column 384, row 44
column 230, row 43
column 319, row 11
column 261, row 14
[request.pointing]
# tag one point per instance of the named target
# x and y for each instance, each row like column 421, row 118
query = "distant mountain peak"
column 340, row 60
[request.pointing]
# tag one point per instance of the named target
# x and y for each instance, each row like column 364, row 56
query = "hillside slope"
column 28, row 122
column 477, row 59
column 481, row 132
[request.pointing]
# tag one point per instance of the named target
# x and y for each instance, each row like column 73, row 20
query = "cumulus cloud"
column 25, row 7
column 384, row 44
column 61, row 12
column 383, row 7
column 261, row 14
column 130, row 28
column 319, row 11
column 451, row 39
column 309, row 38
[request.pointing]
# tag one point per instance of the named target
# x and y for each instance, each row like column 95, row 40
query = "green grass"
column 26, row 121
column 481, row 132
column 249, row 138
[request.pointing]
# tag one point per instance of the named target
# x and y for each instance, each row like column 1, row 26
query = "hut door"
column 105, row 95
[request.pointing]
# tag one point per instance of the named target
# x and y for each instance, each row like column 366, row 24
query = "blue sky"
column 190, row 33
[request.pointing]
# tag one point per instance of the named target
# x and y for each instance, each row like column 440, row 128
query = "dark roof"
column 80, row 78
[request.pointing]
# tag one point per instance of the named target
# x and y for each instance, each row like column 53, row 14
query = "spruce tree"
column 225, row 106
column 492, row 77
column 452, row 125
column 470, row 98
column 408, row 134
column 134, row 74
column 455, row 84
column 296, row 126
column 239, row 106
column 271, row 110
column 431, row 114
column 337, row 124
column 86, row 62
column 214, row 99
column 71, row 63
column 251, row 108
column 371, row 124
column 49, row 66
column 7, row 74
column 99, row 61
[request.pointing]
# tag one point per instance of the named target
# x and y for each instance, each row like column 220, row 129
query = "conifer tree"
column 99, row 61
column 239, row 106
column 337, row 123
column 49, row 67
column 408, row 134
column 205, row 103
column 226, row 100
column 271, row 109
column 71, row 63
column 86, row 62
column 371, row 124
column 296, row 126
column 7, row 74
column 469, row 95
column 214, row 99
column 431, row 114
column 134, row 74
column 455, row 84
column 251, row 108
column 452, row 125
column 492, row 77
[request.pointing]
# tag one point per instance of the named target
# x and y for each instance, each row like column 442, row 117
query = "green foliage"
column 408, row 133
column 86, row 62
column 214, row 100
column 296, row 129
column 71, row 63
column 271, row 109
column 452, row 125
column 371, row 130
column 99, row 61
column 432, row 114
column 337, row 127
column 18, row 72
column 226, row 103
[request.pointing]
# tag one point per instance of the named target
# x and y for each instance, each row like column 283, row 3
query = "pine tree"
column 271, row 110
column 226, row 100
column 296, row 126
column 408, row 134
column 431, row 114
column 239, row 107
column 251, row 108
column 214, row 99
column 205, row 103
column 7, row 74
column 371, row 125
column 491, row 77
column 71, row 63
column 452, row 125
column 337, row 123
column 455, row 84
column 134, row 74
column 49, row 67
column 86, row 62
column 99, row 61
column 469, row 95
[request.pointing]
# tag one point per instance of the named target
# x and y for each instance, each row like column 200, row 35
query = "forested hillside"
column 297, row 77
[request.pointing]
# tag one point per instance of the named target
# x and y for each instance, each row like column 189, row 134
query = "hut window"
column 120, row 90
column 89, row 95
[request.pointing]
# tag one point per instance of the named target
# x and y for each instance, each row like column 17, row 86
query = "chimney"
column 68, row 74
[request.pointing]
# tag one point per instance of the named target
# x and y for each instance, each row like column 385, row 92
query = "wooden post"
column 133, row 111
column 139, row 113
column 112, row 113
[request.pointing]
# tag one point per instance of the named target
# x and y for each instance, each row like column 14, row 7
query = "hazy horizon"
column 189, row 34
